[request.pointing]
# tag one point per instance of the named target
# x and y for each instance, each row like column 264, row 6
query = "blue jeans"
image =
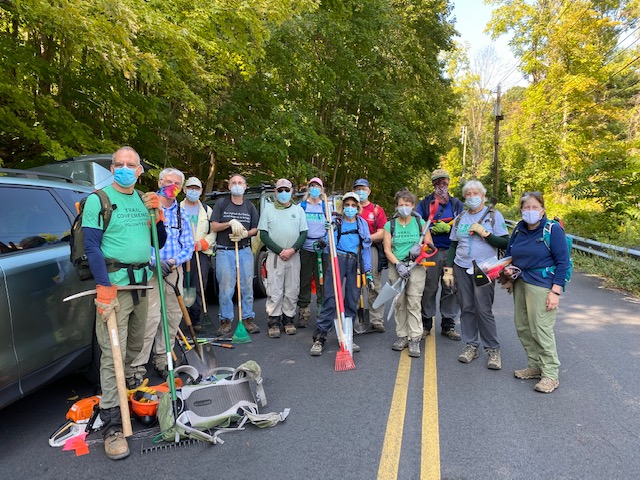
column 226, row 275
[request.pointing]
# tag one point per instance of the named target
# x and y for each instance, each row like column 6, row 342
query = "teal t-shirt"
column 404, row 237
column 127, row 238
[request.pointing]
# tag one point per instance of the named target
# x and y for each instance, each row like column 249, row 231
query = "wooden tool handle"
column 118, row 366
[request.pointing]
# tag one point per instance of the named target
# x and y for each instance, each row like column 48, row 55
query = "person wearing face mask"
column 176, row 251
column 235, row 219
column 126, row 243
column 352, row 238
column 376, row 219
column 448, row 208
column 475, row 236
column 313, row 247
column 283, row 229
column 402, row 234
column 538, row 289
column 200, row 221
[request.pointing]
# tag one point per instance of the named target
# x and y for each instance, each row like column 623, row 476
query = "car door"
column 48, row 335
column 9, row 386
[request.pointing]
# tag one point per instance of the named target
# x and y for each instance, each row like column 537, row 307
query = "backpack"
column 78, row 256
column 492, row 217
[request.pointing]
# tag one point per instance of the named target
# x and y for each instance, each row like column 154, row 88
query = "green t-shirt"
column 127, row 238
column 404, row 237
column 283, row 224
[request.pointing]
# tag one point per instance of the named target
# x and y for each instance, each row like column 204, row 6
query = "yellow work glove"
column 479, row 229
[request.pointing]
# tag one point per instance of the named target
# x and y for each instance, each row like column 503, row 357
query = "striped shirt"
column 180, row 243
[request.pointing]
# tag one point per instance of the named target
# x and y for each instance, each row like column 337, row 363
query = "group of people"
column 296, row 238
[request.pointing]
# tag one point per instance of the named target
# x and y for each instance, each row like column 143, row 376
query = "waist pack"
column 206, row 410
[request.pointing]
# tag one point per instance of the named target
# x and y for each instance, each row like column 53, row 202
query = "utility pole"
column 463, row 140
column 497, row 111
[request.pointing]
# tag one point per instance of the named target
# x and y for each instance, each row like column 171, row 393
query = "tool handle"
column 223, row 345
column 118, row 366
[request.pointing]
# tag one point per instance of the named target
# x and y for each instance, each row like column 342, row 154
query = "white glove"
column 237, row 238
column 236, row 227
column 447, row 276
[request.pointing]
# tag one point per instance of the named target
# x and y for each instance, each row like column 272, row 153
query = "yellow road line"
column 390, row 458
column 430, row 462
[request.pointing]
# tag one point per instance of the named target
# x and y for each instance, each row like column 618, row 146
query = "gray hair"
column 237, row 175
column 172, row 171
column 477, row 184
column 124, row 149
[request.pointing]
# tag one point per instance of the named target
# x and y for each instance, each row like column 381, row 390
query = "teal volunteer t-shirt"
column 404, row 237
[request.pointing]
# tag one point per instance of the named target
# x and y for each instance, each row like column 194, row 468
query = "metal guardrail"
column 593, row 247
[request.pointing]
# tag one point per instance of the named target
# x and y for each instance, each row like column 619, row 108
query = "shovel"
column 194, row 360
column 189, row 295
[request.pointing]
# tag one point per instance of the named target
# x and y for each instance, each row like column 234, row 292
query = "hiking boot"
column 494, row 362
column 274, row 331
column 303, row 317
column 316, row 349
column 355, row 348
column 400, row 344
column 527, row 373
column 451, row 334
column 469, row 353
column 546, row 385
column 250, row 325
column 289, row 329
column 162, row 371
column 378, row 327
column 414, row 347
column 425, row 332
column 135, row 381
column 225, row 328
column 197, row 327
column 116, row 446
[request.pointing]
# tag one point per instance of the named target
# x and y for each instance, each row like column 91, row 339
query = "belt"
column 220, row 247
column 346, row 255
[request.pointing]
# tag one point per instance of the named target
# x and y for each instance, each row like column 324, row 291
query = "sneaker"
column 135, row 381
column 469, row 353
column 414, row 347
column 546, row 385
column 494, row 362
column 355, row 347
column 400, row 344
column 250, row 325
column 225, row 328
column 527, row 373
column 289, row 329
column 303, row 317
column 378, row 327
column 116, row 446
column 451, row 334
column 274, row 331
column 316, row 349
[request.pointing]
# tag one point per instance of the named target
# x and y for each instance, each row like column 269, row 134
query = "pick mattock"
column 118, row 364
column 241, row 335
column 344, row 360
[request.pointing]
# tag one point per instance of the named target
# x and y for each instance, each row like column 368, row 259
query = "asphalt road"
column 488, row 425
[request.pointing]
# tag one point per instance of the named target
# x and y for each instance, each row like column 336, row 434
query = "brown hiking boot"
column 250, row 325
column 414, row 347
column 289, row 329
column 546, row 385
column 303, row 317
column 378, row 327
column 225, row 328
column 116, row 446
column 469, row 353
column 400, row 344
column 451, row 334
column 494, row 362
column 527, row 373
column 274, row 331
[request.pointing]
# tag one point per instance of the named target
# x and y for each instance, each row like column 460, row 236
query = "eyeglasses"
column 284, row 189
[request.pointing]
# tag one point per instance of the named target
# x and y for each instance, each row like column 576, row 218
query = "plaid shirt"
column 180, row 243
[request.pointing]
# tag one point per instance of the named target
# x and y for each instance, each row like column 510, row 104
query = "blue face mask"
column 284, row 197
column 404, row 211
column 473, row 202
column 350, row 212
column 363, row 194
column 125, row 177
column 193, row 195
column 314, row 192
column 531, row 217
column 237, row 190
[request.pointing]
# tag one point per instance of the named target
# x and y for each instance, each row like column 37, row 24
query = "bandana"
column 169, row 191
column 441, row 194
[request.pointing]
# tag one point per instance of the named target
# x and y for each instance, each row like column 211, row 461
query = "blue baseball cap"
column 361, row 182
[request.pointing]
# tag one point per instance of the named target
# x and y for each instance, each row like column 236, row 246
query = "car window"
column 30, row 218
column 70, row 197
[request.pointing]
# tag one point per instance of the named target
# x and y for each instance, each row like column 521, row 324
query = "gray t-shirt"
column 283, row 225
column 474, row 247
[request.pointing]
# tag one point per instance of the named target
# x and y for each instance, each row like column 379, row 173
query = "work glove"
column 159, row 215
column 415, row 251
column 150, row 200
column 319, row 245
column 447, row 277
column 107, row 300
column 369, row 279
column 237, row 238
column 403, row 270
column 167, row 266
column 201, row 245
column 327, row 225
column 236, row 227
column 440, row 228
column 479, row 229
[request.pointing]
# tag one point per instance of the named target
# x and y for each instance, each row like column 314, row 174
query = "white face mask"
column 404, row 211
column 531, row 217
column 473, row 202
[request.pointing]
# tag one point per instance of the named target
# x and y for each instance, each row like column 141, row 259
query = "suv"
column 42, row 338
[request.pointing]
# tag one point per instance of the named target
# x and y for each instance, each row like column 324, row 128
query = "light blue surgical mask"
column 193, row 195
column 284, row 197
column 363, row 194
column 404, row 211
column 350, row 212
column 473, row 202
column 531, row 217
column 237, row 190
column 124, row 176
column 315, row 192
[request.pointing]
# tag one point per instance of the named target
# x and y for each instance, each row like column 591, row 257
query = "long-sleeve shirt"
column 180, row 243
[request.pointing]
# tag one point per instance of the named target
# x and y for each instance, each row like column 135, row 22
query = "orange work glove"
column 159, row 214
column 107, row 300
column 150, row 200
column 201, row 245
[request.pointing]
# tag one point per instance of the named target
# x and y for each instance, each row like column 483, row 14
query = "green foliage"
column 621, row 274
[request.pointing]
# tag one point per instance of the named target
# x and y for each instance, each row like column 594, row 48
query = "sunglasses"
column 284, row 189
column 535, row 194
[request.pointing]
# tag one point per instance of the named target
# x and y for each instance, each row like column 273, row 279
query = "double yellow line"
column 430, row 451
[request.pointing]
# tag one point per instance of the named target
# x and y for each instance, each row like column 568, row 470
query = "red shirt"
column 369, row 215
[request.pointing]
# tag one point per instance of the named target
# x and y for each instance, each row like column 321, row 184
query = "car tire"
column 260, row 275
column 211, row 291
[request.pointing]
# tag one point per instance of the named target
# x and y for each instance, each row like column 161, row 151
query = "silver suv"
column 41, row 338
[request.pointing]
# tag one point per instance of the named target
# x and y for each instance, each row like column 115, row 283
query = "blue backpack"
column 546, row 238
